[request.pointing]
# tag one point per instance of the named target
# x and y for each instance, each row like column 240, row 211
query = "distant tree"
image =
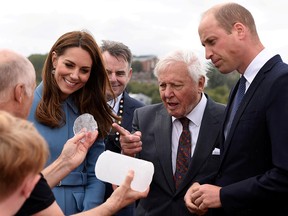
column 149, row 89
column 219, row 85
column 219, row 94
column 216, row 78
column 156, row 97
column 137, row 66
column 38, row 63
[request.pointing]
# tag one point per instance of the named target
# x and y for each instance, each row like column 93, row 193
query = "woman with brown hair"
column 74, row 82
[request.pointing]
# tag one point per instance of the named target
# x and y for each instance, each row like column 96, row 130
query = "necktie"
column 236, row 102
column 183, row 153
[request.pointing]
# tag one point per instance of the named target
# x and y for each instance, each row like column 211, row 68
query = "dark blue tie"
column 236, row 102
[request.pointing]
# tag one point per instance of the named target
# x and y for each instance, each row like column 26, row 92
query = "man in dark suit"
column 181, row 79
column 118, row 59
column 253, row 174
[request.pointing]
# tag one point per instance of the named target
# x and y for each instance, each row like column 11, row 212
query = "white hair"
column 195, row 66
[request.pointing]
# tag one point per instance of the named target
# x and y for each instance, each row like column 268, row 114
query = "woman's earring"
column 53, row 71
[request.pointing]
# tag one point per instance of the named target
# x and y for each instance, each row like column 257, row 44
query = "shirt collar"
column 115, row 104
column 196, row 114
column 257, row 63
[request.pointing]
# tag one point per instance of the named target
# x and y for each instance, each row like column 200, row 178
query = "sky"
column 147, row 27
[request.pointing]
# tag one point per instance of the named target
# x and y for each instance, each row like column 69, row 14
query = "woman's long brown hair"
column 89, row 99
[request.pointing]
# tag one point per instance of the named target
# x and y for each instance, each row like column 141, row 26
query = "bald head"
column 17, row 83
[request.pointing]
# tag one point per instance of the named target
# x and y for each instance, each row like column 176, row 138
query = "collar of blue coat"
column 69, row 100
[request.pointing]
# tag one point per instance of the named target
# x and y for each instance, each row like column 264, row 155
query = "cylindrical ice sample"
column 113, row 167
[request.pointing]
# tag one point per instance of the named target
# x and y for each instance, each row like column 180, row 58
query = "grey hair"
column 14, row 69
column 195, row 67
column 117, row 49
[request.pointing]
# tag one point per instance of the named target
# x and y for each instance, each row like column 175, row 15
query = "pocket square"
column 216, row 151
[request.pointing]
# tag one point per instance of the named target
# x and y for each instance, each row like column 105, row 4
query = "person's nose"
column 208, row 53
column 169, row 92
column 112, row 77
column 75, row 74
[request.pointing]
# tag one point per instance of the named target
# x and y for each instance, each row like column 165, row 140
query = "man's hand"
column 206, row 196
column 199, row 198
column 130, row 143
column 192, row 207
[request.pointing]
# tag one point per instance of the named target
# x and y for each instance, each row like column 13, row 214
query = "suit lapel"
column 128, row 112
column 205, row 144
column 226, row 115
column 246, row 99
column 162, row 133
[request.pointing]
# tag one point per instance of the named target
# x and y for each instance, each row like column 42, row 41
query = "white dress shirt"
column 255, row 66
column 115, row 104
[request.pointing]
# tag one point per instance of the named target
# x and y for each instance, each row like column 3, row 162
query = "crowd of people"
column 209, row 158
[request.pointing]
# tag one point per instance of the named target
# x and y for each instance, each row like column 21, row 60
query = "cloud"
column 146, row 26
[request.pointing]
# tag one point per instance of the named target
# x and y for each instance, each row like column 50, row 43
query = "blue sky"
column 146, row 26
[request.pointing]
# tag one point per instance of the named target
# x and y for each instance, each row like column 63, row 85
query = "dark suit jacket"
column 130, row 104
column 156, row 126
column 254, row 163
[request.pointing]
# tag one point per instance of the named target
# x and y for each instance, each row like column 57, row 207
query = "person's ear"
column 19, row 92
column 29, row 184
column 240, row 29
column 54, row 59
column 201, row 84
column 130, row 73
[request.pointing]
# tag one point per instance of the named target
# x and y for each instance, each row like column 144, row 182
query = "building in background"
column 143, row 67
column 148, row 62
